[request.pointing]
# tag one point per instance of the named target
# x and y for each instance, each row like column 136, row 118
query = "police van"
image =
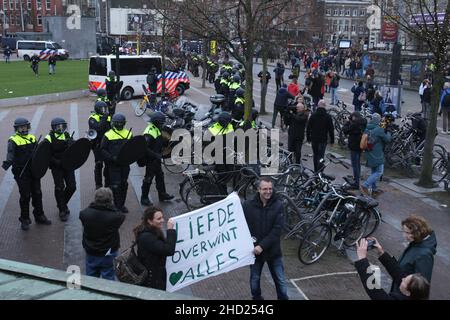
column 133, row 73
column 44, row 49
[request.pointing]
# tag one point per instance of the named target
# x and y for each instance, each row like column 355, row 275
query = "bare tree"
column 428, row 22
column 238, row 24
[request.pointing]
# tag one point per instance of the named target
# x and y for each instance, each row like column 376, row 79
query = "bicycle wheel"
column 315, row 243
column 174, row 168
column 201, row 194
column 187, row 184
column 291, row 213
column 353, row 228
column 371, row 222
column 440, row 165
column 140, row 108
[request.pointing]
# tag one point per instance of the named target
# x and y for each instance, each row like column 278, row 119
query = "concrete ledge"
column 45, row 98
column 116, row 289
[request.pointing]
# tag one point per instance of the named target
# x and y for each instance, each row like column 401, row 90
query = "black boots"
column 64, row 214
column 42, row 219
column 164, row 196
column 145, row 201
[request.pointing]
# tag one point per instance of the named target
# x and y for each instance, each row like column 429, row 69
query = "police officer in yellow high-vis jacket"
column 100, row 121
column 112, row 142
column 153, row 157
column 20, row 151
column 64, row 180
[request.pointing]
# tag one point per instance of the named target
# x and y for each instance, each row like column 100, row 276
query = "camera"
column 370, row 244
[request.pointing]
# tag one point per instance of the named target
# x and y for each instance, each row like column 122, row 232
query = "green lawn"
column 18, row 80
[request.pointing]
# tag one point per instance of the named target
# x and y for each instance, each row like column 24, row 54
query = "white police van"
column 133, row 73
column 44, row 49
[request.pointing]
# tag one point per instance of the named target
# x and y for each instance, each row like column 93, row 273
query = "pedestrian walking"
column 35, row 64
column 279, row 72
column 334, row 85
column 421, row 89
column 280, row 104
column 427, row 96
column 445, row 108
column 359, row 95
column 354, row 128
column 296, row 121
column 264, row 216
column 51, row 64
column 377, row 138
column 320, row 128
column 7, row 54
column 154, row 247
column 101, row 238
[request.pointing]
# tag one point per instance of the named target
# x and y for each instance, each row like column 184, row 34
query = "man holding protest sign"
column 264, row 215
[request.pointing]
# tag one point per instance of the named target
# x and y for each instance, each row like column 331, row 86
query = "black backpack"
column 446, row 101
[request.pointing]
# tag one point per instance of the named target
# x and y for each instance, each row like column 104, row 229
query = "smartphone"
column 370, row 244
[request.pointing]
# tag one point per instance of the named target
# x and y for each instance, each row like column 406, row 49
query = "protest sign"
column 210, row 241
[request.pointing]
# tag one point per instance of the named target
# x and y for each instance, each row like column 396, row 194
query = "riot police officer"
column 233, row 85
column 64, row 180
column 100, row 121
column 238, row 105
column 102, row 96
column 112, row 142
column 112, row 90
column 20, row 151
column 153, row 168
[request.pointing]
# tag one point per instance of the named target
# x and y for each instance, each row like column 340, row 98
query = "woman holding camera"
column 411, row 287
column 154, row 247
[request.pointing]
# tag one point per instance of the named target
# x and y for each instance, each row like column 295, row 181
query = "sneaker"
column 64, row 215
column 444, row 132
column 24, row 225
column 165, row 197
column 42, row 219
column 124, row 209
column 146, row 202
column 377, row 192
column 364, row 190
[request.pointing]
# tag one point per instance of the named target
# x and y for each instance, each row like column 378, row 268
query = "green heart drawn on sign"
column 174, row 277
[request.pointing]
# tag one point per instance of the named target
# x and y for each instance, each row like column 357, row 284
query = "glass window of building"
column 48, row 4
column 39, row 20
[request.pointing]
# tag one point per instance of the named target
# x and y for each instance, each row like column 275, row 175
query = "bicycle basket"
column 129, row 269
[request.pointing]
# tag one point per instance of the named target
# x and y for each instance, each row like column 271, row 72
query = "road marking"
column 298, row 288
column 318, row 276
column 8, row 182
column 3, row 114
column 325, row 275
column 73, row 251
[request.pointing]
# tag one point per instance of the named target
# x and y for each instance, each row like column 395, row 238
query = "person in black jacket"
column 354, row 128
column 412, row 286
column 153, row 247
column 264, row 215
column 280, row 104
column 320, row 126
column 296, row 134
column 101, row 239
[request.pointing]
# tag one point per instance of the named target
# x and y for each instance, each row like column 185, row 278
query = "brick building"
column 26, row 15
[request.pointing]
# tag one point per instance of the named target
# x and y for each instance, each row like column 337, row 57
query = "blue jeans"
column 334, row 97
column 101, row 266
column 355, row 157
column 371, row 181
column 276, row 270
column 51, row 68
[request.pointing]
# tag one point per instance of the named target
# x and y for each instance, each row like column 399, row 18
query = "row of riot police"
column 114, row 150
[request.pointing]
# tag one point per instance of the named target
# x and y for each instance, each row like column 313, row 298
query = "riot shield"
column 41, row 159
column 76, row 155
column 132, row 150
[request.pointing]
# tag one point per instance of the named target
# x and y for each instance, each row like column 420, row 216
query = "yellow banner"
column 213, row 47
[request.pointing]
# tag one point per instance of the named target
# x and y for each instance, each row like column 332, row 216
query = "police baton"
column 31, row 157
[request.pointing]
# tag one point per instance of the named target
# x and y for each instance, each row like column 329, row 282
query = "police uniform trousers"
column 153, row 169
column 118, row 177
column 29, row 188
column 99, row 166
column 65, row 186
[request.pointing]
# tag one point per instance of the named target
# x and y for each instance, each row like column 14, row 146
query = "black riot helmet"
column 224, row 119
column 22, row 126
column 158, row 119
column 59, row 125
column 225, row 75
column 118, row 121
column 112, row 74
column 101, row 92
column 240, row 92
column 237, row 78
column 101, row 107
